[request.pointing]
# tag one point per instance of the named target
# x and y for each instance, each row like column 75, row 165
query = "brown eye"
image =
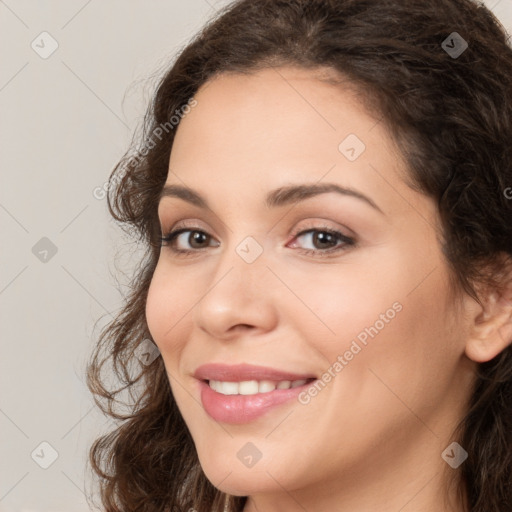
column 186, row 240
column 197, row 237
column 321, row 238
column 324, row 241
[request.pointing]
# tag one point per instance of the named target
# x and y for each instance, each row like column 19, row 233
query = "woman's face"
column 344, row 285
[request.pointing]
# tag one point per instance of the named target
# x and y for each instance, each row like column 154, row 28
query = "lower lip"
column 239, row 409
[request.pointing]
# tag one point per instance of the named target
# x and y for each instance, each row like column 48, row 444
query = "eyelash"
column 170, row 238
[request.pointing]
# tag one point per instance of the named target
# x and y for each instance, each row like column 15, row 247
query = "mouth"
column 241, row 373
column 254, row 387
column 243, row 393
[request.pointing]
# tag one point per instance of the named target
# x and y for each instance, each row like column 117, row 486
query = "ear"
column 491, row 328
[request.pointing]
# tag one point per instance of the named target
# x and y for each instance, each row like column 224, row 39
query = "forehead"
column 277, row 103
column 277, row 126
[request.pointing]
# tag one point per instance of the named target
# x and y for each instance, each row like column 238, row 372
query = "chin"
column 243, row 481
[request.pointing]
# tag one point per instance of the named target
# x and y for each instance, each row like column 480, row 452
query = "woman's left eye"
column 323, row 241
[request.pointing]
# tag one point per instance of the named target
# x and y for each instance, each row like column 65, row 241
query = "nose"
column 239, row 299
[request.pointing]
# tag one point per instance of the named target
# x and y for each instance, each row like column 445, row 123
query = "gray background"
column 65, row 121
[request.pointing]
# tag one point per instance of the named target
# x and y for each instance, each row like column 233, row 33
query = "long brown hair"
column 451, row 117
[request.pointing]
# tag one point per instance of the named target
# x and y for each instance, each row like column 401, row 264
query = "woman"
column 322, row 190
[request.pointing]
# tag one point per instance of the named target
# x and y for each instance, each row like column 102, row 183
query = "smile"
column 253, row 387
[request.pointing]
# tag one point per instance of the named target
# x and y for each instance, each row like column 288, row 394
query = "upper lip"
column 245, row 372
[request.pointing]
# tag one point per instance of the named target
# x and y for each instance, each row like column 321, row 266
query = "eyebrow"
column 279, row 197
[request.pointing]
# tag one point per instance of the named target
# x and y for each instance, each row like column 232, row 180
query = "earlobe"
column 490, row 343
column 491, row 331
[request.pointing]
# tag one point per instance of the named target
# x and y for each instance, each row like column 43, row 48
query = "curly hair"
column 451, row 118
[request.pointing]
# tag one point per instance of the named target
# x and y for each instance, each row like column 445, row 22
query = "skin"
column 372, row 438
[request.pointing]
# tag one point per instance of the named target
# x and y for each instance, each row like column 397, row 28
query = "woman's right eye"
column 186, row 236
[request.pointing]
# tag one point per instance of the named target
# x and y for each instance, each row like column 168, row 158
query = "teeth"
column 228, row 388
column 247, row 387
column 266, row 386
column 252, row 387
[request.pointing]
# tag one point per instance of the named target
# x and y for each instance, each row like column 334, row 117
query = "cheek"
column 386, row 320
column 351, row 301
column 394, row 352
column 167, row 305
